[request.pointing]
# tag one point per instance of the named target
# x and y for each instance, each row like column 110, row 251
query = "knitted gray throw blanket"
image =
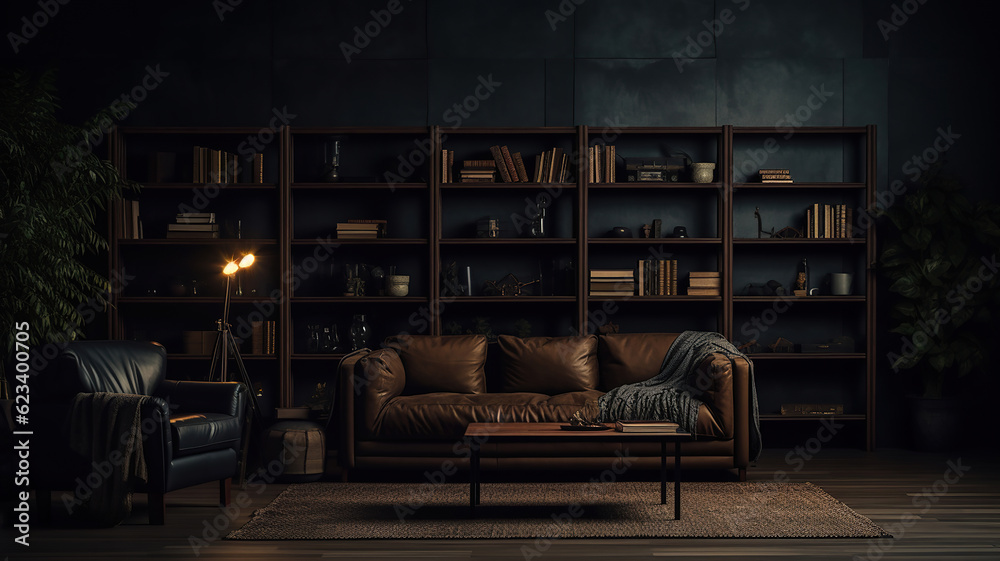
column 674, row 393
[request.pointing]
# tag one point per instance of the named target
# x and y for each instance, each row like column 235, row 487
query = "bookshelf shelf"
column 432, row 217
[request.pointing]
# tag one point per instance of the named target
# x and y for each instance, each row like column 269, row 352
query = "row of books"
column 263, row 339
column 829, row 221
column 131, row 222
column 774, row 175
column 704, row 283
column 657, row 277
column 193, row 225
column 219, row 166
column 602, row 163
column 361, row 229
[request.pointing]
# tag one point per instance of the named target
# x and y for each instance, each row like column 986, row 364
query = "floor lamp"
column 225, row 344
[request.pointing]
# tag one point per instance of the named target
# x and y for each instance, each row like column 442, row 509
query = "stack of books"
column 612, row 282
column 447, row 163
column 263, row 338
column 361, row 229
column 602, row 164
column 829, row 221
column 478, row 171
column 194, row 225
column 219, row 166
column 774, row 175
column 657, row 277
column 705, row 283
column 647, row 426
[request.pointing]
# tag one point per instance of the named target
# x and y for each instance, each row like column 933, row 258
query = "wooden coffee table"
column 551, row 433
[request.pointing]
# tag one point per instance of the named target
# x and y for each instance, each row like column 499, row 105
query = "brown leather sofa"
column 407, row 404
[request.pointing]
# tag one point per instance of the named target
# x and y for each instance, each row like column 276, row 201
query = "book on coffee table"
column 647, row 426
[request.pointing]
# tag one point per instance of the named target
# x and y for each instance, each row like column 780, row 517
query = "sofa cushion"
column 445, row 416
column 445, row 363
column 549, row 365
column 626, row 358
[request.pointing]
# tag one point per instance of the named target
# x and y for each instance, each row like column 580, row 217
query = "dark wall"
column 918, row 69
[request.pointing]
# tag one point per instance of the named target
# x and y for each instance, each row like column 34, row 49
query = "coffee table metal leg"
column 474, row 480
column 663, row 472
column 677, row 480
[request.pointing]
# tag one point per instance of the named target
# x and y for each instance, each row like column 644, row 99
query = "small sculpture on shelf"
column 509, row 285
column 331, row 161
column 449, row 280
column 782, row 345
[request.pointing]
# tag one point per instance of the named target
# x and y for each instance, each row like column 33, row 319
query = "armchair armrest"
column 227, row 398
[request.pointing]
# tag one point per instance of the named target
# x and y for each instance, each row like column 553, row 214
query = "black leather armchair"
column 191, row 431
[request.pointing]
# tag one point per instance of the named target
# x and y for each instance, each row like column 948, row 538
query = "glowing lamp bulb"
column 231, row 268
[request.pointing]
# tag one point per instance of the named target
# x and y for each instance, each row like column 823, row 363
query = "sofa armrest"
column 714, row 386
column 344, row 408
column 379, row 377
column 227, row 398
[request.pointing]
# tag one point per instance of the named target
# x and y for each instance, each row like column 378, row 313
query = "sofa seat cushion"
column 196, row 433
column 444, row 416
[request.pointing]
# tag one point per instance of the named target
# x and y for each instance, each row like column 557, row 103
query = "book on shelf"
column 647, row 426
column 522, row 173
column 825, row 221
column 602, row 163
column 613, row 273
column 192, row 235
column 509, row 161
column 192, row 227
column 500, row 164
column 774, row 175
column 657, row 277
column 131, row 223
column 263, row 337
column 694, row 291
column 704, row 274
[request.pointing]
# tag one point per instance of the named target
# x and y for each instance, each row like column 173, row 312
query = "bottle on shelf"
column 360, row 332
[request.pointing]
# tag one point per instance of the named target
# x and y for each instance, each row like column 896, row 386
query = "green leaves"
column 54, row 187
column 933, row 262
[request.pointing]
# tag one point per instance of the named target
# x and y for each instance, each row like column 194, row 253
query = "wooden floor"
column 933, row 511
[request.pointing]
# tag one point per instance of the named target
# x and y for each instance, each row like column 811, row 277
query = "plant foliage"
column 53, row 190
column 942, row 268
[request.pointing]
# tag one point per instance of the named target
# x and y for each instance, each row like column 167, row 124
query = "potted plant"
column 54, row 189
column 941, row 265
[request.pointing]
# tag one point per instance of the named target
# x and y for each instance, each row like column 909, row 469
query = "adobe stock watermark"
column 592, row 490
column 31, row 25
column 455, row 115
column 203, row 195
column 797, row 457
column 697, row 44
column 566, row 9
column 120, row 108
column 899, row 16
column 912, row 168
column 921, row 503
column 366, row 33
column 789, row 124
column 958, row 298
column 213, row 529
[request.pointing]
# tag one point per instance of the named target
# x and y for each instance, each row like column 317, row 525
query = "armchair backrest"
column 133, row 367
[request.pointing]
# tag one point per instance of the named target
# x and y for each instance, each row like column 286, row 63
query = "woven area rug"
column 341, row 511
